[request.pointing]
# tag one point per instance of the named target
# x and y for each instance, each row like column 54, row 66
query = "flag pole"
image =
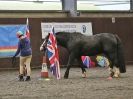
column 27, row 28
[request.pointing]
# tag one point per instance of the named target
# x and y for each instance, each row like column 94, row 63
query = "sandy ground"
column 95, row 86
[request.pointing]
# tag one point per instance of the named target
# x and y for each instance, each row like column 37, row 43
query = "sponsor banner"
column 82, row 27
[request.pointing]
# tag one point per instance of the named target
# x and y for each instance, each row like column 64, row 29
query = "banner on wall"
column 83, row 27
column 8, row 39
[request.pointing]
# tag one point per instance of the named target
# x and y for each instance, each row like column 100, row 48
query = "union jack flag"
column 52, row 53
column 86, row 61
column 27, row 28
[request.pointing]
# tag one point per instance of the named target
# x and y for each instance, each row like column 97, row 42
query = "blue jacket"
column 24, row 47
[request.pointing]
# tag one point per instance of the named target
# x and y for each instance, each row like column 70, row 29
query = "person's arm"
column 18, row 50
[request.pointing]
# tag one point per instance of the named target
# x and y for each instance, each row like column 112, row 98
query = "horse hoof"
column 112, row 74
column 116, row 76
column 65, row 77
column 84, row 75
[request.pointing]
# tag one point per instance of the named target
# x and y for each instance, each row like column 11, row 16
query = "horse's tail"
column 120, row 55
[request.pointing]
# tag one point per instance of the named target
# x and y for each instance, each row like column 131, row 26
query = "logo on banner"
column 84, row 28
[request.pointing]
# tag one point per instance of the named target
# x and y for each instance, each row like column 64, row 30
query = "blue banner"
column 8, row 39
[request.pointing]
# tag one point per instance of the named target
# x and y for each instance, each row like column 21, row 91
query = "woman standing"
column 24, row 48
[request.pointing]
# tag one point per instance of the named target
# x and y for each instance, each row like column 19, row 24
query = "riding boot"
column 20, row 77
column 27, row 78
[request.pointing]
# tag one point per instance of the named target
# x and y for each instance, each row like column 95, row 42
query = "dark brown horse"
column 81, row 45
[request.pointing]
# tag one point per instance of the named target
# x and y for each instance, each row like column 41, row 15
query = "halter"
column 44, row 44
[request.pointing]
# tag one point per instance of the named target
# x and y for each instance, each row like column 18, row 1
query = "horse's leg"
column 70, row 61
column 116, row 72
column 111, row 72
column 111, row 58
column 82, row 67
column 116, row 69
column 116, row 64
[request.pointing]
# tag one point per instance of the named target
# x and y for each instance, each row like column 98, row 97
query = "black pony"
column 81, row 45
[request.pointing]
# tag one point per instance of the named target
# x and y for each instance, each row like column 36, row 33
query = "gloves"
column 13, row 60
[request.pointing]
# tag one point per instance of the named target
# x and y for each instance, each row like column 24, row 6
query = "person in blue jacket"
column 24, row 48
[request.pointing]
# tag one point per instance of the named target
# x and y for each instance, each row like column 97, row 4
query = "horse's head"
column 44, row 44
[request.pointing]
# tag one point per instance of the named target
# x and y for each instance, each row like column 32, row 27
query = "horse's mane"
column 70, row 34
